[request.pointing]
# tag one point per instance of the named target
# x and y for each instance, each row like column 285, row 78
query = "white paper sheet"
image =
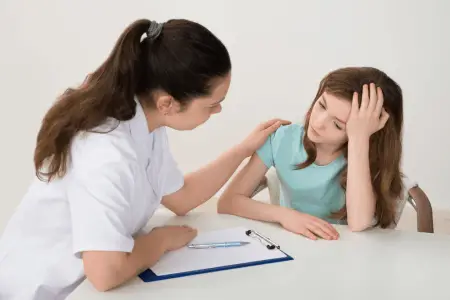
column 187, row 259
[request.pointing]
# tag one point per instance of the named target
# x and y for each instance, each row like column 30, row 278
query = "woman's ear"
column 167, row 105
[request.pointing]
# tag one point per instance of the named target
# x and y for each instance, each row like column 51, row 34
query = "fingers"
column 189, row 228
column 189, row 233
column 272, row 122
column 355, row 108
column 380, row 102
column 285, row 122
column 271, row 129
column 320, row 232
column 328, row 229
column 309, row 234
column 365, row 98
column 184, row 228
column 274, row 127
column 373, row 98
column 323, row 229
column 384, row 118
column 192, row 234
column 318, row 228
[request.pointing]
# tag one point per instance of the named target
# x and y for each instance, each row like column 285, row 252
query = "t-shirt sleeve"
column 268, row 151
column 99, row 192
column 173, row 177
column 265, row 152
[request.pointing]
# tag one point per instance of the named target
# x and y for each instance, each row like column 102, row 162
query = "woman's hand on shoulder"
column 259, row 135
column 307, row 225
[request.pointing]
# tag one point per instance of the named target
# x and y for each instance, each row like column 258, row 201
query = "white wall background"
column 280, row 51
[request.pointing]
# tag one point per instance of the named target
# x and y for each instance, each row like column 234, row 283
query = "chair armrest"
column 424, row 209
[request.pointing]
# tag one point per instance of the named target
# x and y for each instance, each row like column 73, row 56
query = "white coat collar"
column 138, row 124
column 140, row 133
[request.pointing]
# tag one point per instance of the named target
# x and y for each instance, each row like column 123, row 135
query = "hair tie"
column 154, row 30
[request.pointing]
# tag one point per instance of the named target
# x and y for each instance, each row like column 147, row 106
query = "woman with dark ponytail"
column 103, row 164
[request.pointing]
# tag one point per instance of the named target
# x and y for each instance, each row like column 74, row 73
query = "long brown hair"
column 385, row 146
column 182, row 60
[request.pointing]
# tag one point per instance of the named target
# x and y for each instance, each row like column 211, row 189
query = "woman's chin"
column 312, row 136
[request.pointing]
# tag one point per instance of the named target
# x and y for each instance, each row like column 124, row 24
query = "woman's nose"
column 319, row 122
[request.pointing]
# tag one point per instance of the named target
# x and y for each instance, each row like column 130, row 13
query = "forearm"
column 107, row 270
column 204, row 183
column 360, row 197
column 147, row 251
column 242, row 206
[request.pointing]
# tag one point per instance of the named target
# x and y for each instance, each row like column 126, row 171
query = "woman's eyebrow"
column 325, row 103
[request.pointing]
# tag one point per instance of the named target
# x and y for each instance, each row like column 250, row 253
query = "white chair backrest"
column 274, row 186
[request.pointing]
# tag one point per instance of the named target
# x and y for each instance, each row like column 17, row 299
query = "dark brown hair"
column 385, row 145
column 182, row 61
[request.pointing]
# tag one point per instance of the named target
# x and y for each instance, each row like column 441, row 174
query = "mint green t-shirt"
column 314, row 190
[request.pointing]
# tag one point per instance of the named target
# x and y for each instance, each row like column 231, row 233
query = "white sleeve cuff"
column 123, row 245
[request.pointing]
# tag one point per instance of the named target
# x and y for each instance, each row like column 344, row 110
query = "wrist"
column 161, row 241
column 148, row 247
column 358, row 150
column 241, row 151
column 281, row 213
column 358, row 139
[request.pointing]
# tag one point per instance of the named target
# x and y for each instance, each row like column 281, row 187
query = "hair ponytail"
column 107, row 92
column 180, row 57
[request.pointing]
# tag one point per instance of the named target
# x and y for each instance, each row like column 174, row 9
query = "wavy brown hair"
column 385, row 146
column 182, row 60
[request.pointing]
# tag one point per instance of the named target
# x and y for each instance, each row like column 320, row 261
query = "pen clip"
column 270, row 244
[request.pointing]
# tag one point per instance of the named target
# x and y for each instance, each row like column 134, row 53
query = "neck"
column 327, row 153
column 153, row 117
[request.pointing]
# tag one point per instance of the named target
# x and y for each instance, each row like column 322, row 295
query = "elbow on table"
column 103, row 269
column 181, row 212
column 224, row 205
column 101, row 281
column 101, row 286
column 359, row 225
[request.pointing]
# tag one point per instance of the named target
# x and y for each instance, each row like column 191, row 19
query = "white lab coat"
column 114, row 184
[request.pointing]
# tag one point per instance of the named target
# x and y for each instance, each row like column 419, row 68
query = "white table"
column 376, row 264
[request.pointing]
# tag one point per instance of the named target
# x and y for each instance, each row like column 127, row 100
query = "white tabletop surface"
column 376, row 264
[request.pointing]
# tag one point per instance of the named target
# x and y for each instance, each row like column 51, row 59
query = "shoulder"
column 287, row 133
column 104, row 145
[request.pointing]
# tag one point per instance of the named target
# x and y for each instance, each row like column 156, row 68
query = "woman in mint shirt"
column 341, row 166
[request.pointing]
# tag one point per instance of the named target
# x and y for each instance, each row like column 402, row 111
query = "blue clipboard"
column 149, row 276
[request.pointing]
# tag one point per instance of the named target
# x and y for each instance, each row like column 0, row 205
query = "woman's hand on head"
column 370, row 116
column 308, row 226
column 260, row 134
